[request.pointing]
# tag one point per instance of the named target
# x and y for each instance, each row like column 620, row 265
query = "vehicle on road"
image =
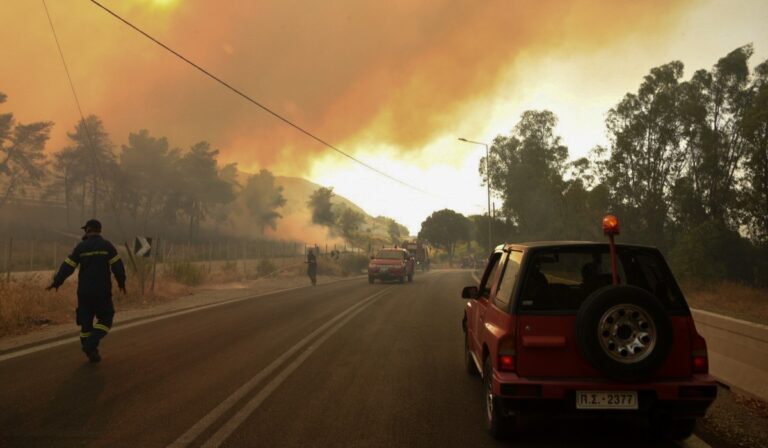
column 420, row 253
column 588, row 329
column 391, row 264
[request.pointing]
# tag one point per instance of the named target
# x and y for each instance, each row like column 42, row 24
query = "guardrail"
column 738, row 351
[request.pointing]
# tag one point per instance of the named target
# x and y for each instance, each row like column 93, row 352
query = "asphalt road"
column 344, row 364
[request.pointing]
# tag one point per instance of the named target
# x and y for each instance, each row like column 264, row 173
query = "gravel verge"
column 735, row 420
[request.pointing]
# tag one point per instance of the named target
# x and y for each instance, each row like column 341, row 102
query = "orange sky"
column 388, row 81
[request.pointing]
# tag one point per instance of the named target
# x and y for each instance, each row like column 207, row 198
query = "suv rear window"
column 390, row 255
column 560, row 279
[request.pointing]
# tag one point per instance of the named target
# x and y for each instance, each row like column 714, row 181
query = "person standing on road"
column 96, row 257
column 312, row 266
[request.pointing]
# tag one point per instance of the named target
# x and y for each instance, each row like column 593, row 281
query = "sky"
column 393, row 83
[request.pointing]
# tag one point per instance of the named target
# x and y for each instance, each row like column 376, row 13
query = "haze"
column 393, row 83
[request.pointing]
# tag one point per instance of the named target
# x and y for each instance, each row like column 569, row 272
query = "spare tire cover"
column 624, row 332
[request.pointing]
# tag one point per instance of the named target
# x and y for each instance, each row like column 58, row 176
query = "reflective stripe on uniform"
column 95, row 252
column 70, row 262
column 101, row 327
column 114, row 259
column 85, row 335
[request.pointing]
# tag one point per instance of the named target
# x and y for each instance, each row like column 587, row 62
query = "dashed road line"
column 149, row 320
column 694, row 442
column 209, row 419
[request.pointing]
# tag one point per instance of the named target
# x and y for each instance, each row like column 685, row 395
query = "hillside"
column 297, row 191
column 296, row 221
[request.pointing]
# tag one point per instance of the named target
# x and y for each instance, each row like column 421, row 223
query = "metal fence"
column 30, row 255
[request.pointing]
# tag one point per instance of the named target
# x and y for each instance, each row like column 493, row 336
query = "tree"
column 22, row 157
column 394, row 231
column 735, row 260
column 321, row 207
column 147, row 171
column 585, row 201
column 755, row 131
column 87, row 165
column 444, row 228
column 713, row 104
column 202, row 186
column 646, row 156
column 349, row 223
column 262, row 199
column 526, row 170
column 501, row 230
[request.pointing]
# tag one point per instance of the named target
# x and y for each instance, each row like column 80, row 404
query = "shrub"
column 265, row 267
column 185, row 272
column 352, row 264
column 710, row 252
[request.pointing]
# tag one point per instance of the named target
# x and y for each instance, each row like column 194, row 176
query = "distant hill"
column 296, row 221
column 297, row 191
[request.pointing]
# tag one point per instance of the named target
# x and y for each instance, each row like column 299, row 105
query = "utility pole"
column 488, row 186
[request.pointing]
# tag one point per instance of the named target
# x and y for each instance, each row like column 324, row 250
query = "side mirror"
column 470, row 292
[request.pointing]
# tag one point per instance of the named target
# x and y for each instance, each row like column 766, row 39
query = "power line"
column 256, row 103
column 82, row 118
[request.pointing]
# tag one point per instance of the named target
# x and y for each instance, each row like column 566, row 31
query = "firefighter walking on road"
column 312, row 267
column 96, row 257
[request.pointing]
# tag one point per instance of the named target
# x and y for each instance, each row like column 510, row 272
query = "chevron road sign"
column 142, row 246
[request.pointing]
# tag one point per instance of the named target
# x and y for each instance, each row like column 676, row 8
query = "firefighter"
column 312, row 266
column 96, row 257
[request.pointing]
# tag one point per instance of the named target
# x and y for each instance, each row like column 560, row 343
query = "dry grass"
column 731, row 299
column 25, row 305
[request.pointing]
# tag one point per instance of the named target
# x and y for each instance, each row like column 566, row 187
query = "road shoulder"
column 211, row 295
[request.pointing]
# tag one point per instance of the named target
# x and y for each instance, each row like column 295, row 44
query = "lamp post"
column 488, row 184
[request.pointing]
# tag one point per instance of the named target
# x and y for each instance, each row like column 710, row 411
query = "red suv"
column 391, row 264
column 563, row 328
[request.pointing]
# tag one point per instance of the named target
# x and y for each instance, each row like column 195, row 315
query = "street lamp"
column 488, row 184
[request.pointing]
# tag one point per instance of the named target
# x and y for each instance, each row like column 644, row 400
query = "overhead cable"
column 255, row 102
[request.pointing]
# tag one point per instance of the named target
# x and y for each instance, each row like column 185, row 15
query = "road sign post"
column 154, row 264
column 142, row 248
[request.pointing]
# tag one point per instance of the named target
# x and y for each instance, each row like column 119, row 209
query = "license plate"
column 606, row 400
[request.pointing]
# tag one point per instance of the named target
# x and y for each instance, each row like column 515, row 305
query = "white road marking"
column 198, row 428
column 474, row 276
column 232, row 424
column 136, row 323
column 694, row 442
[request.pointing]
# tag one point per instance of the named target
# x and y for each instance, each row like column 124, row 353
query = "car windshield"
column 562, row 278
column 389, row 255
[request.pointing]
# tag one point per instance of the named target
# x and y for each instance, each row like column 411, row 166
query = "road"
column 344, row 364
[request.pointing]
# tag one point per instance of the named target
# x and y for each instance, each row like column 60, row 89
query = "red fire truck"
column 419, row 251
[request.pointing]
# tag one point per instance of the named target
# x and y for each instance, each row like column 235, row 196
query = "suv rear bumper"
column 677, row 398
column 388, row 275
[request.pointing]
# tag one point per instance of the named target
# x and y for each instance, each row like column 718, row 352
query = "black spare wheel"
column 624, row 332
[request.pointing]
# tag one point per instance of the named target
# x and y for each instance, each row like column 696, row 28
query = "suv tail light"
column 507, row 363
column 507, row 355
column 699, row 361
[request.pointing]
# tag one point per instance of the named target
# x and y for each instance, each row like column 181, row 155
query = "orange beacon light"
column 611, row 228
column 611, row 225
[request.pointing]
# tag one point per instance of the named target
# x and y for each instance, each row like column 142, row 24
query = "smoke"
column 399, row 73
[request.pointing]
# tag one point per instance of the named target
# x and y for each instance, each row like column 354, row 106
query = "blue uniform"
column 96, row 257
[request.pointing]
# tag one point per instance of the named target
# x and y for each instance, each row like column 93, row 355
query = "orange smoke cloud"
column 400, row 72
